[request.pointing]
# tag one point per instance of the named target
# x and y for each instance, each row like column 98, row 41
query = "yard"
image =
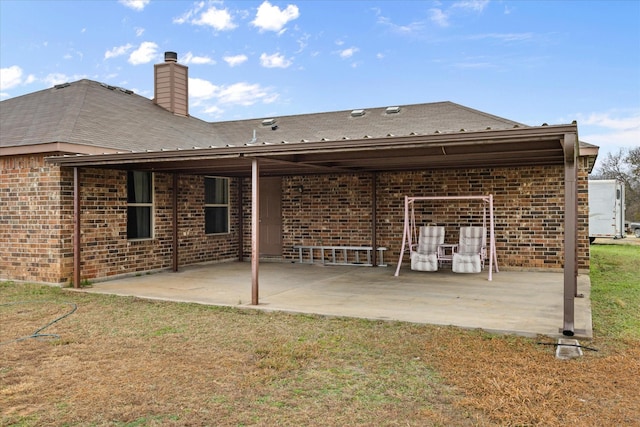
column 121, row 361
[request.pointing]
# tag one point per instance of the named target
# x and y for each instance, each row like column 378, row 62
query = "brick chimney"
column 171, row 89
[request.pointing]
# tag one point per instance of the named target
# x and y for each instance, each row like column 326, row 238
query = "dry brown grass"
column 514, row 381
column 129, row 362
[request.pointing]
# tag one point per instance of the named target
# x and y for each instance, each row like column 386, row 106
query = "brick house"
column 98, row 182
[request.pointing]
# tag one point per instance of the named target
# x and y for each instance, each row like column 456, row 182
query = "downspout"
column 76, row 228
column 569, row 143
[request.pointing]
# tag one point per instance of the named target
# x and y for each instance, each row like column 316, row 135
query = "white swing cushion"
column 466, row 263
column 425, row 257
column 424, row 262
column 468, row 258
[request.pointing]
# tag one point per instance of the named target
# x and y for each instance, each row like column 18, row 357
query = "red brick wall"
column 36, row 217
column 528, row 204
column 108, row 252
column 195, row 245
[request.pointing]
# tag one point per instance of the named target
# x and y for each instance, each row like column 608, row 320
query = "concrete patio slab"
column 523, row 303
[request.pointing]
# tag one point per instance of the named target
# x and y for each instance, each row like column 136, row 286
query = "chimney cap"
column 170, row 57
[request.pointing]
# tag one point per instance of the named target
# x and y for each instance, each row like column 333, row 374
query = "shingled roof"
column 90, row 113
column 381, row 122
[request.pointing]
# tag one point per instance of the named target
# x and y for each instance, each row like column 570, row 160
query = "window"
column 216, row 205
column 139, row 205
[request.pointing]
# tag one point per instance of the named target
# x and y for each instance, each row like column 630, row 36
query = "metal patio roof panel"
column 495, row 148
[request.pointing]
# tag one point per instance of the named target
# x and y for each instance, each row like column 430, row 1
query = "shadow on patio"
column 524, row 303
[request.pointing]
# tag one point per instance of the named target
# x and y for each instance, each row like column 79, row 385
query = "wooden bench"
column 339, row 255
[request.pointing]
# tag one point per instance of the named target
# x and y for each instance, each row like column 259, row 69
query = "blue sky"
column 530, row 61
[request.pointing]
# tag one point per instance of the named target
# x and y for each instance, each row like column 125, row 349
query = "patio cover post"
column 255, row 229
column 492, row 239
column 175, row 222
column 374, row 220
column 76, row 228
column 569, row 144
column 240, row 222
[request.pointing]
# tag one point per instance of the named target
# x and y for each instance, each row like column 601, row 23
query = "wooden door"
column 270, row 217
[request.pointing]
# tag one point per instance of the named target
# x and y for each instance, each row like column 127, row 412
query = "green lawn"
column 615, row 291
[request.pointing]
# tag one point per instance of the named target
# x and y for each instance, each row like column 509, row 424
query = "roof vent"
column 268, row 122
column 62, row 86
column 392, row 110
column 357, row 113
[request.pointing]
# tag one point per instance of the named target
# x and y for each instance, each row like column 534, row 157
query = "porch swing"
column 426, row 243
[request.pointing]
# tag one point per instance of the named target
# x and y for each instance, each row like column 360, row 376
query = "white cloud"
column 10, row 77
column 202, row 89
column 117, row 51
column 274, row 61
column 610, row 128
column 605, row 120
column 507, row 37
column 218, row 19
column 139, row 31
column 214, row 110
column 235, row 60
column 135, row 4
column 473, row 5
column 470, row 64
column 303, row 42
column 58, row 78
column 272, row 18
column 189, row 58
column 244, row 94
column 348, row 53
column 144, row 54
column 411, row 28
column 439, row 17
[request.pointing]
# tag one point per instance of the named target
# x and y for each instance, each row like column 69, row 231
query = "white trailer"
column 606, row 209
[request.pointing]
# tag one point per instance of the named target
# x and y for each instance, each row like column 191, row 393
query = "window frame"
column 226, row 205
column 150, row 205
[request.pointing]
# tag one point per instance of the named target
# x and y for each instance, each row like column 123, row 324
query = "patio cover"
column 521, row 146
